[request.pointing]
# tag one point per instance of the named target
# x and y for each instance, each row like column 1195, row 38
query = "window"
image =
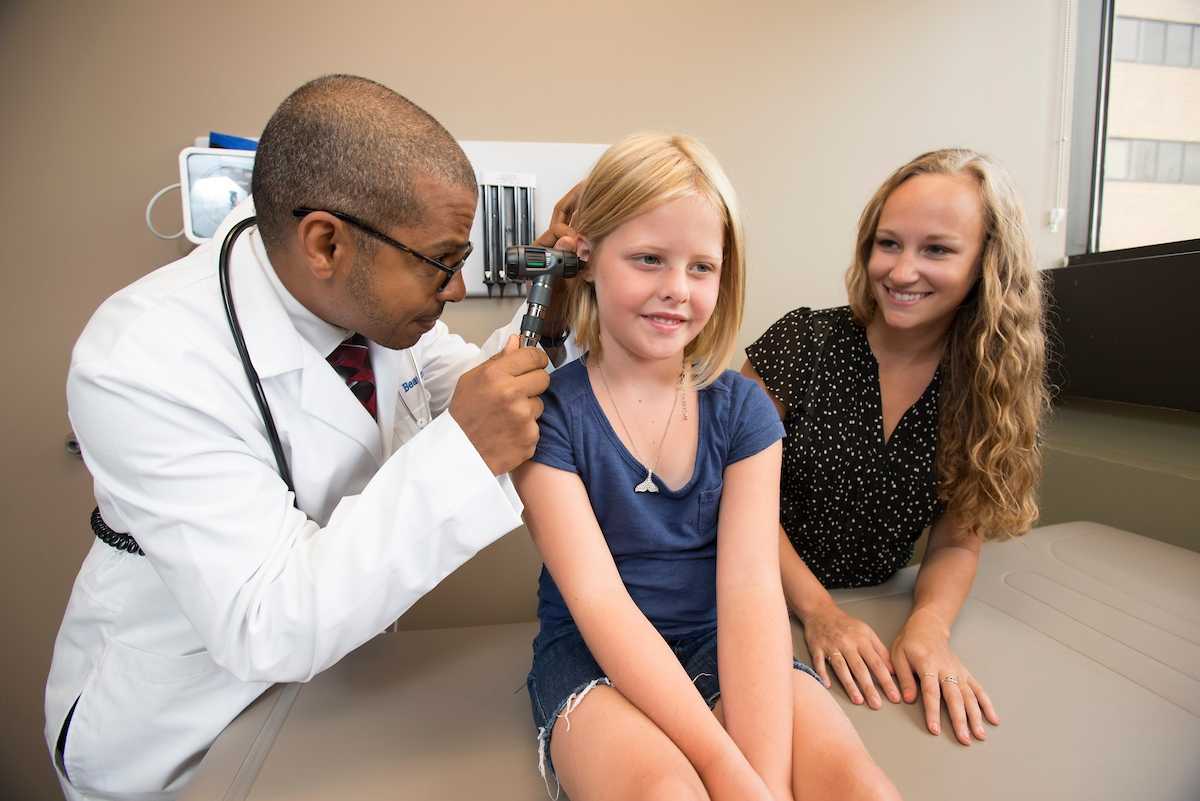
column 1191, row 163
column 1123, row 308
column 1150, row 41
column 1116, row 159
column 1136, row 140
column 1156, row 161
column 1179, row 45
column 1125, row 39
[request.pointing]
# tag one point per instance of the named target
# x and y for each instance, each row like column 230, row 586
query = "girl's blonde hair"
column 993, row 393
column 634, row 176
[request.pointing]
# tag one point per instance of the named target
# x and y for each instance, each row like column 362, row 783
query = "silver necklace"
column 647, row 484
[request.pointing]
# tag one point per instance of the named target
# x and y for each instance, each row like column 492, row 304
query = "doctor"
column 399, row 475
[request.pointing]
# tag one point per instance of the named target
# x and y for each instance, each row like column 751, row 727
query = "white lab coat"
column 240, row 588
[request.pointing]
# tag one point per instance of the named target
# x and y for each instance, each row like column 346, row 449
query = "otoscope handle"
column 535, row 311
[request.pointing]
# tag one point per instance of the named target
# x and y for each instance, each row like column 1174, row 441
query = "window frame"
column 1122, row 323
column 1095, row 27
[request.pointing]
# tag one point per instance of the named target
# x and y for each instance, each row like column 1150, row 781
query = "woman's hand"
column 922, row 649
column 853, row 650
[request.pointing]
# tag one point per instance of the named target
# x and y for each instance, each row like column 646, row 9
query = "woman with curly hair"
column 917, row 405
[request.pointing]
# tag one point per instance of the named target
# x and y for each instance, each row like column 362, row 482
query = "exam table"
column 1087, row 639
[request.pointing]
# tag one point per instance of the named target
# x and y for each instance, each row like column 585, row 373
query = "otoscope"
column 541, row 266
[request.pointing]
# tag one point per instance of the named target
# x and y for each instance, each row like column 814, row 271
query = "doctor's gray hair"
column 349, row 144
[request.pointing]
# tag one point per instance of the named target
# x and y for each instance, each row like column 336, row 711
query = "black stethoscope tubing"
column 126, row 542
column 239, row 341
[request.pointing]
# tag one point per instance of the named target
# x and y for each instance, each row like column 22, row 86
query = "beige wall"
column 1137, row 213
column 1151, row 101
column 808, row 104
column 1170, row 10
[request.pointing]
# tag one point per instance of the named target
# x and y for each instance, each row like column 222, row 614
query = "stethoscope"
column 548, row 261
column 125, row 542
column 260, row 397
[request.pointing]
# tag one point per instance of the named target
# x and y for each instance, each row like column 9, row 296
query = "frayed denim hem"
column 543, row 737
column 796, row 665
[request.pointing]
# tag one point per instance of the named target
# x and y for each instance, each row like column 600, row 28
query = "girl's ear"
column 583, row 249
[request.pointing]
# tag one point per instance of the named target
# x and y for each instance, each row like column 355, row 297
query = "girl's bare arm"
column 755, row 642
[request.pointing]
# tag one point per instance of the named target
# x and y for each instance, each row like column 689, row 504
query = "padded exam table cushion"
column 1087, row 638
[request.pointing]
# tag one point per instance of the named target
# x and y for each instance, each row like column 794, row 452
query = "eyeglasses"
column 450, row 272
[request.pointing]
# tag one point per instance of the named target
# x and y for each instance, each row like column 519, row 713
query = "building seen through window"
column 1151, row 188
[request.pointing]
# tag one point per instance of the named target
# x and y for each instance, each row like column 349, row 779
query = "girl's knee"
column 874, row 785
column 850, row 781
column 671, row 786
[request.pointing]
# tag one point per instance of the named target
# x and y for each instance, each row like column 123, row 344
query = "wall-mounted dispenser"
column 519, row 183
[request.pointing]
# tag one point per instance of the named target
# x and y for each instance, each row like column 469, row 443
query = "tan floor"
column 1086, row 637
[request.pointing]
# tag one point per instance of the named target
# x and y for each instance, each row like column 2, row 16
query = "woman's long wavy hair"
column 636, row 175
column 993, row 394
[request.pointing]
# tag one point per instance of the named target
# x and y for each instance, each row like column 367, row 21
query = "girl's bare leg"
column 829, row 759
column 607, row 750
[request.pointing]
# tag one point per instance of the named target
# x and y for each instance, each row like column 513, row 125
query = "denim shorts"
column 564, row 671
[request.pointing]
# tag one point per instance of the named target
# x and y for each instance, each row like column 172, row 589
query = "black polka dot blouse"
column 851, row 504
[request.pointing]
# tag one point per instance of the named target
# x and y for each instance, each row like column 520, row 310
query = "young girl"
column 918, row 404
column 663, row 667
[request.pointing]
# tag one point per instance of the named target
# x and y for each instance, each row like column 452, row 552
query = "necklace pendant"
column 648, row 485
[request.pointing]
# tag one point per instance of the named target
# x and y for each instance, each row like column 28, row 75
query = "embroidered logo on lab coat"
column 407, row 385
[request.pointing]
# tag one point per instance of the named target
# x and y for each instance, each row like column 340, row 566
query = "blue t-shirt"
column 664, row 544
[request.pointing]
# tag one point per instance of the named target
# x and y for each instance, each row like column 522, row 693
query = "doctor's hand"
column 853, row 650
column 560, row 236
column 923, row 659
column 497, row 406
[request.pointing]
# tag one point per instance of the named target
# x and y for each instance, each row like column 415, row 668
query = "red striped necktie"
column 352, row 361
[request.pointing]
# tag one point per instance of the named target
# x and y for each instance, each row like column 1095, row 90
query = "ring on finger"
column 832, row 654
column 929, row 675
column 950, row 678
